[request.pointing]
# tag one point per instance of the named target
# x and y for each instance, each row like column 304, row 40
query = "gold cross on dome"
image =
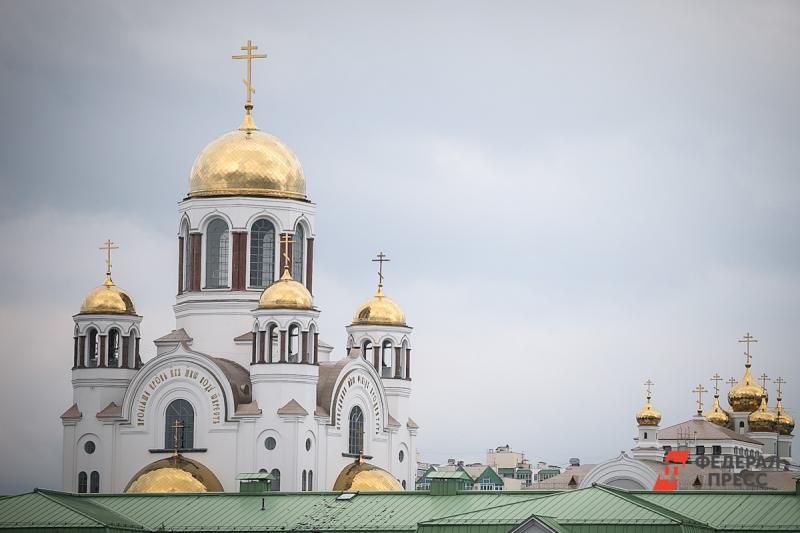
column 176, row 426
column 732, row 382
column 286, row 241
column 747, row 339
column 249, row 56
column 649, row 384
column 108, row 246
column 381, row 259
column 700, row 390
column 779, row 381
column 764, row 378
column 716, row 379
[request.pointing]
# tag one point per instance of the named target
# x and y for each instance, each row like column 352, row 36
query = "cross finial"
column 381, row 258
column 649, row 384
column 108, row 246
column 716, row 379
column 700, row 390
column 764, row 378
column 176, row 427
column 248, row 83
column 731, row 382
column 286, row 241
column 747, row 339
column 779, row 381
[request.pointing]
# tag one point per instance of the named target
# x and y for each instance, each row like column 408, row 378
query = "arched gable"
column 622, row 471
column 358, row 383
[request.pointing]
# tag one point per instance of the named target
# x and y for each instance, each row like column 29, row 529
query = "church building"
column 243, row 383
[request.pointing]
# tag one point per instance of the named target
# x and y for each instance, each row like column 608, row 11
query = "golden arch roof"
column 107, row 299
column 648, row 416
column 286, row 293
column 360, row 476
column 175, row 474
column 380, row 310
column 746, row 396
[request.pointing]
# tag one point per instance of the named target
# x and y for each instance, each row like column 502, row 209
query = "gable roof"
column 292, row 408
column 702, row 429
column 174, row 337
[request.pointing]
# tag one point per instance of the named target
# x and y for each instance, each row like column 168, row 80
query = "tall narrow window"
column 92, row 349
column 386, row 359
column 298, row 247
column 113, row 348
column 367, row 350
column 294, row 343
column 217, row 254
column 83, row 484
column 303, row 482
column 94, row 482
column 179, row 427
column 310, row 480
column 273, row 353
column 262, row 254
column 356, row 444
column 186, row 257
column 276, row 483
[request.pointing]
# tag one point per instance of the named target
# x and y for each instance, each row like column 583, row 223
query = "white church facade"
column 243, row 383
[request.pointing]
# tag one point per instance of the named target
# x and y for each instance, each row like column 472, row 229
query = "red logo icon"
column 672, row 459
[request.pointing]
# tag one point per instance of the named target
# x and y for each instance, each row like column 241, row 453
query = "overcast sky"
column 576, row 196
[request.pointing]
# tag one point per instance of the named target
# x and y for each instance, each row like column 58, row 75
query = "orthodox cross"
column 381, row 259
column 176, row 426
column 286, row 240
column 249, row 56
column 747, row 339
column 700, row 390
column 764, row 378
column 649, row 384
column 779, row 381
column 108, row 246
column 716, row 379
column 732, row 382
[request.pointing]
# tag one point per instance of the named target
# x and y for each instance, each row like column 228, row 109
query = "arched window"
column 83, row 484
column 262, row 253
column 113, row 348
column 386, row 359
column 186, row 258
column 298, row 247
column 92, row 349
column 310, row 480
column 94, row 482
column 276, row 483
column 294, row 343
column 179, row 426
column 356, row 444
column 217, row 254
column 272, row 349
column 303, row 481
column 367, row 350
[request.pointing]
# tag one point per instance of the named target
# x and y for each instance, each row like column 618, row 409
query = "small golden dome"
column 784, row 423
column 380, row 310
column 174, row 474
column 107, row 299
column 762, row 419
column 286, row 293
column 247, row 162
column 364, row 477
column 746, row 396
column 716, row 414
column 648, row 416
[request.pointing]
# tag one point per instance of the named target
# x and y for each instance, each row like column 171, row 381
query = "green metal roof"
column 457, row 474
column 255, row 476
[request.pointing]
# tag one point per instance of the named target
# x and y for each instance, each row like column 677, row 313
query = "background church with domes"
column 243, row 383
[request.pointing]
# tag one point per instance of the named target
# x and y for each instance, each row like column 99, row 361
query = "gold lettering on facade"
column 204, row 382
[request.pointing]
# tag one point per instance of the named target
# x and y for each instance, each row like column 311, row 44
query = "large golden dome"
column 360, row 476
column 285, row 293
column 247, row 162
column 762, row 419
column 107, row 299
column 784, row 423
column 747, row 394
column 380, row 310
column 717, row 414
column 648, row 416
column 175, row 474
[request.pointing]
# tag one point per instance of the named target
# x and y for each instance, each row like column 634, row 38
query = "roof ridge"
column 57, row 501
column 489, row 508
column 650, row 506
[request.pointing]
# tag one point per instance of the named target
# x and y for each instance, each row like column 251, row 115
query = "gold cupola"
column 763, row 419
column 286, row 293
column 746, row 395
column 648, row 416
column 380, row 310
column 247, row 161
column 717, row 414
column 360, row 476
column 784, row 423
column 107, row 299
column 174, row 474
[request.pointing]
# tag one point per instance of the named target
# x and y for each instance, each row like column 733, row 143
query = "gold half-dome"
column 247, row 162
column 784, row 423
column 648, row 416
column 175, row 474
column 717, row 414
column 286, row 293
column 380, row 310
column 763, row 419
column 107, row 299
column 360, row 476
column 746, row 396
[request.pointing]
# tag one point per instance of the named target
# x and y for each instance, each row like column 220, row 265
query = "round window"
column 89, row 447
column 308, row 445
column 270, row 443
column 401, row 456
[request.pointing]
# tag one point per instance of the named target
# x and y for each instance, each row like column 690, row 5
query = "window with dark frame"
column 179, row 411
column 356, row 443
